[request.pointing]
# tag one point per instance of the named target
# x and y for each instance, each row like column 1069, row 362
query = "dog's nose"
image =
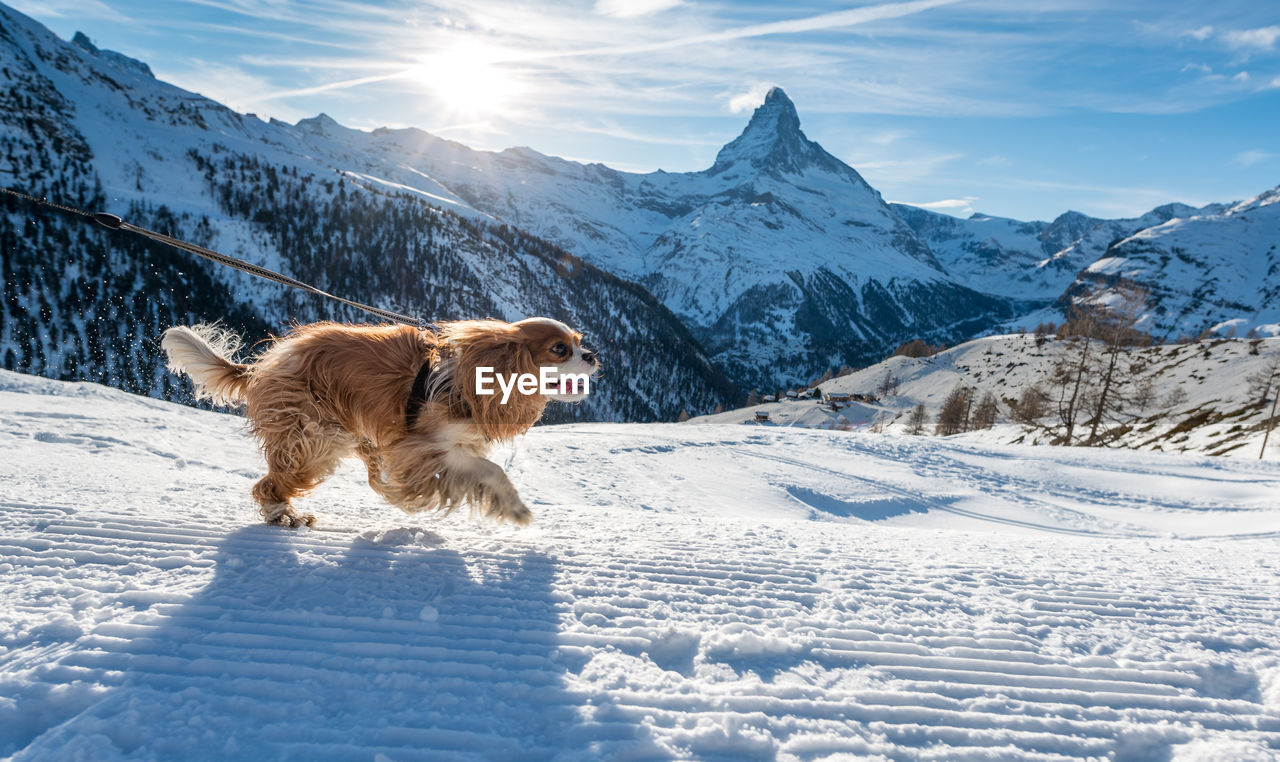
column 588, row 356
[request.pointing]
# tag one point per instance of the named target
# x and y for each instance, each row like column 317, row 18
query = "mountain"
column 94, row 129
column 1027, row 260
column 780, row 257
column 766, row 269
column 1216, row 270
column 1196, row 397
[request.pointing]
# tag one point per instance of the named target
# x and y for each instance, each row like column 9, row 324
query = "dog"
column 409, row 402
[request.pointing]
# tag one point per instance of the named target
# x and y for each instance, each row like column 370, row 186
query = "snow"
column 1213, row 375
column 687, row 591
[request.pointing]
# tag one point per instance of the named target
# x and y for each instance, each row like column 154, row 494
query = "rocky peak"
column 119, row 60
column 772, row 139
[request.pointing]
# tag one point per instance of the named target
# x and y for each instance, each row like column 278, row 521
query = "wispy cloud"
column 749, row 100
column 230, row 85
column 629, row 9
column 647, row 83
column 953, row 206
column 78, row 9
column 1252, row 156
column 1262, row 38
column 907, row 168
column 835, row 20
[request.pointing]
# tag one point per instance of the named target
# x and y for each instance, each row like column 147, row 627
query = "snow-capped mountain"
column 1217, row 270
column 779, row 259
column 1027, row 260
column 93, row 129
column 779, row 256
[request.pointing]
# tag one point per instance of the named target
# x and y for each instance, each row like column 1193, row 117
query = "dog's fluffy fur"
column 326, row 391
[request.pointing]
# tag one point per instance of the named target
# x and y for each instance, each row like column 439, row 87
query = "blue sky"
column 1010, row 107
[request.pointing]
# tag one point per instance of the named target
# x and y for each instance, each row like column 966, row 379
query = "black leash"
column 115, row 223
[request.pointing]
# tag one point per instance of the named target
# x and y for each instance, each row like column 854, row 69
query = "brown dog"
column 410, row 403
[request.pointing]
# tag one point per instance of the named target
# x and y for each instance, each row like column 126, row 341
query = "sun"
column 469, row 80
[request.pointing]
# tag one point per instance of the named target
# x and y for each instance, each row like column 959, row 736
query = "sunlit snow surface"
column 687, row 591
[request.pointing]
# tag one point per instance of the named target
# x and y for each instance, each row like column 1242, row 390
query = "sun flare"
column 469, row 80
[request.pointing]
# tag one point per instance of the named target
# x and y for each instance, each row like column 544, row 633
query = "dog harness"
column 417, row 396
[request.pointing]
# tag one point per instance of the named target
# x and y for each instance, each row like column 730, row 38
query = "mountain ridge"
column 779, row 261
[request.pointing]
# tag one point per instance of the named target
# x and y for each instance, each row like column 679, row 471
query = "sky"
column 1017, row 108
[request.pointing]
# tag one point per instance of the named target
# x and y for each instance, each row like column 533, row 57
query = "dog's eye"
column 560, row 350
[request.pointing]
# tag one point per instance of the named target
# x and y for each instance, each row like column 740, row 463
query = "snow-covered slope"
column 1028, row 260
column 1215, row 271
column 779, row 256
column 771, row 266
column 686, row 592
column 93, row 129
column 1199, row 398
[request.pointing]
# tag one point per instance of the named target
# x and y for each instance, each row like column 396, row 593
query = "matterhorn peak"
column 772, row 139
column 777, row 115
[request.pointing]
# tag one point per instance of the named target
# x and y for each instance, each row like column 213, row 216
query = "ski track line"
column 951, row 693
column 593, row 640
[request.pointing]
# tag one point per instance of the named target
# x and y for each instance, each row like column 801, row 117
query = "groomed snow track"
column 706, row 592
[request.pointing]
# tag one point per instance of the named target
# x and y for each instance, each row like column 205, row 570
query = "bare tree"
column 953, row 418
column 1117, row 324
column 753, row 398
column 1032, row 405
column 916, row 348
column 1071, row 370
column 986, row 413
column 888, row 384
column 1176, row 397
column 1144, row 393
column 1262, row 380
column 1261, row 383
column 915, row 422
column 1270, row 423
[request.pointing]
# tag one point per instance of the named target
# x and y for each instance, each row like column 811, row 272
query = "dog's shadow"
column 399, row 646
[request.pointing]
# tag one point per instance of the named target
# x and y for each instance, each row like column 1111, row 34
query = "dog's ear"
column 500, row 346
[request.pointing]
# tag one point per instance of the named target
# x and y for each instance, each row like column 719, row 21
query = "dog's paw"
column 283, row 515
column 514, row 510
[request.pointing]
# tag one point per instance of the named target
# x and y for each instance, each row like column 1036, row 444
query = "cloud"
column 751, row 99
column 78, row 9
column 1200, row 34
column 916, row 166
column 833, row 20
column 886, row 137
column 1252, row 156
column 231, row 86
column 952, row 206
column 629, row 9
column 1262, row 38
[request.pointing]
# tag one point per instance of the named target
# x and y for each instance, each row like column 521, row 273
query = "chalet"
column 769, row 398
column 762, row 417
column 793, row 395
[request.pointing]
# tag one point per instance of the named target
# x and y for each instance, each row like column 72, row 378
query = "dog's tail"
column 201, row 352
